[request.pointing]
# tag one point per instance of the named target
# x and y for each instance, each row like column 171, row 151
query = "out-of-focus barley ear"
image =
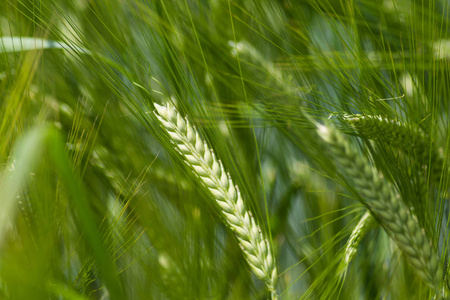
column 351, row 246
column 381, row 198
column 211, row 173
column 406, row 137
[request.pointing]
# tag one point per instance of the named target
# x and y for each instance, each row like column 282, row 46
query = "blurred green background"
column 96, row 203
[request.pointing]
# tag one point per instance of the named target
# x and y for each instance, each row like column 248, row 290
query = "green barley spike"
column 384, row 202
column 405, row 137
column 213, row 176
column 352, row 244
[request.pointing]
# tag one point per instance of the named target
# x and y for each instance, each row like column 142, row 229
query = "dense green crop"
column 168, row 149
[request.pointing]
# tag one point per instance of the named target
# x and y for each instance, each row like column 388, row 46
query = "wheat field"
column 224, row 149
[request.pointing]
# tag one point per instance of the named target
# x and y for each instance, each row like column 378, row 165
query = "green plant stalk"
column 212, row 175
column 382, row 200
column 48, row 139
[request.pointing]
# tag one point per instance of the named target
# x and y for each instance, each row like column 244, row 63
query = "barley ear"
column 211, row 173
column 406, row 137
column 383, row 201
column 351, row 246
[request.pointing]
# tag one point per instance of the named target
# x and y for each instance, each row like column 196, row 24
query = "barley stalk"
column 383, row 201
column 211, row 173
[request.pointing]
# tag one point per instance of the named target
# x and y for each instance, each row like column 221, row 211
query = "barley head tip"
column 162, row 110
